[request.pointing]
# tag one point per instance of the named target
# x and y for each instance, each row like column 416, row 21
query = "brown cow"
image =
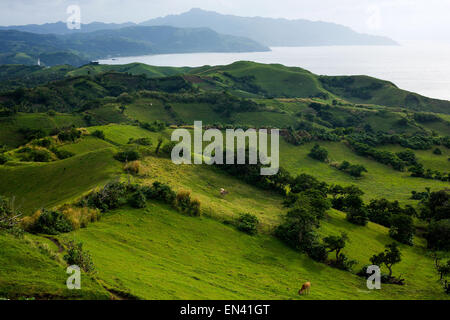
column 305, row 288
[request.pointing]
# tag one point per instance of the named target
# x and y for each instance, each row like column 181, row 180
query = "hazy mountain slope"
column 61, row 27
column 123, row 42
column 272, row 32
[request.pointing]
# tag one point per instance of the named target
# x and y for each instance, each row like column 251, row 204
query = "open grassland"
column 380, row 180
column 10, row 126
column 157, row 253
column 35, row 185
column 32, row 268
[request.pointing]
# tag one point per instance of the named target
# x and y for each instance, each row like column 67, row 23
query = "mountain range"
column 268, row 31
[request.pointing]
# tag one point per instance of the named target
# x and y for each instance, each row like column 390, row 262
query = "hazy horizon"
column 401, row 20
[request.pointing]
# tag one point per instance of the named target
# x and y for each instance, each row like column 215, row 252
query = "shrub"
column 358, row 216
column 45, row 143
column 77, row 256
column 437, row 151
column 138, row 200
column 112, row 196
column 141, row 141
column 128, row 155
column 51, row 222
column 167, row 148
column 186, row 205
column 402, row 229
column 62, row 154
column 318, row 252
column 160, row 191
column 3, row 159
column 69, row 135
column 389, row 257
column 9, row 218
column 80, row 217
column 248, row 223
column 99, row 134
column 438, row 235
column 38, row 155
column 318, row 153
column 132, row 167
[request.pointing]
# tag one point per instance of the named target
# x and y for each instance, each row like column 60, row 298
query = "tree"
column 336, row 243
column 318, row 153
column 389, row 257
column 438, row 235
column 402, row 229
column 158, row 146
column 122, row 108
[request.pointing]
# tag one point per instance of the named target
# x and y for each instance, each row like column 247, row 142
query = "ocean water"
column 421, row 68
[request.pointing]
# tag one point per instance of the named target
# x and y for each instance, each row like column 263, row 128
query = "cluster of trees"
column 384, row 157
column 319, row 153
column 435, row 209
column 117, row 194
column 85, row 92
column 355, row 170
column 418, row 170
column 417, row 141
column 382, row 211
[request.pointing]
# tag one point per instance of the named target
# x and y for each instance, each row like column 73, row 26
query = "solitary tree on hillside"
column 389, row 257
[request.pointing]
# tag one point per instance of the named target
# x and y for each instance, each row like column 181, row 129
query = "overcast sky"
column 401, row 20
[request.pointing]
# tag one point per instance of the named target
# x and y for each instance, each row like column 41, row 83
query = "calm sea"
column 424, row 69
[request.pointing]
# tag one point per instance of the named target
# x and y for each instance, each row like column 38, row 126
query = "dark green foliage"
column 436, row 206
column 402, row 229
column 156, row 126
column 69, row 135
column 62, row 154
column 358, row 216
column 299, row 226
column 138, row 200
column 408, row 156
column 36, row 155
column 45, row 143
column 9, row 218
column 248, row 223
column 99, row 134
column 437, row 151
column 141, row 141
column 167, row 148
column 336, row 244
column 381, row 210
column 185, row 204
column 438, row 235
column 111, row 196
column 389, row 257
column 355, row 170
column 385, row 157
column 127, row 155
column 3, row 159
column 51, row 222
column 160, row 191
column 318, row 153
column 77, row 256
column 426, row 117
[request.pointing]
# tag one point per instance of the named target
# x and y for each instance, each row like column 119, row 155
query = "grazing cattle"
column 223, row 192
column 305, row 288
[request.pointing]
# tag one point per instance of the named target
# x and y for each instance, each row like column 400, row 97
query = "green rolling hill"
column 157, row 252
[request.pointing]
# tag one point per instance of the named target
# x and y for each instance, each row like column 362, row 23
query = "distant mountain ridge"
column 267, row 31
column 272, row 32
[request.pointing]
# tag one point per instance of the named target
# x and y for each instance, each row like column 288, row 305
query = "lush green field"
column 34, row 185
column 380, row 180
column 157, row 253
